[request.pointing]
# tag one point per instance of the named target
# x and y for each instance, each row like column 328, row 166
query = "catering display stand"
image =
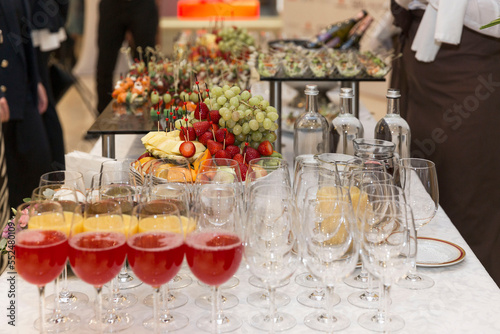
column 275, row 93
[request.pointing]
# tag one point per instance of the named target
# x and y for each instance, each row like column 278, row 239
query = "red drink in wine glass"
column 156, row 257
column 40, row 255
column 213, row 257
column 97, row 257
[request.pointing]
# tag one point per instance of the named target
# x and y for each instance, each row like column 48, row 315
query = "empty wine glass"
column 217, row 164
column 330, row 252
column 271, row 248
column 420, row 186
column 388, row 248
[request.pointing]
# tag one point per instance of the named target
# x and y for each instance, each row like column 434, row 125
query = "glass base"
column 359, row 281
column 180, row 281
column 120, row 301
column 59, row 323
column 307, row 281
column 364, row 299
column 316, row 298
column 261, row 299
column 416, row 282
column 374, row 321
column 231, row 283
column 111, row 323
column 282, row 322
column 175, row 300
column 228, row 300
column 257, row 282
column 167, row 323
column 127, row 280
column 67, row 301
column 320, row 321
column 227, row 323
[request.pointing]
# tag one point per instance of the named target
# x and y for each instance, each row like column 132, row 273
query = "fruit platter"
column 229, row 126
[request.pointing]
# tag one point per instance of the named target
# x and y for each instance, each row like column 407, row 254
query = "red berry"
column 201, row 127
column 214, row 116
column 265, row 148
column 205, row 137
column 213, row 146
column 232, row 150
column 251, row 154
column 201, row 111
column 243, row 171
column 191, row 133
column 238, row 157
column 220, row 135
column 230, row 138
column 222, row 154
column 187, row 149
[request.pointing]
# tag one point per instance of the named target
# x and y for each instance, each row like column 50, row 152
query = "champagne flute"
column 388, row 248
column 97, row 251
column 420, row 185
column 330, row 252
column 215, row 248
column 271, row 247
column 41, row 251
column 156, row 253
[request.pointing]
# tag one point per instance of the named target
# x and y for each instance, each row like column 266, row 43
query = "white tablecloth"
column 464, row 299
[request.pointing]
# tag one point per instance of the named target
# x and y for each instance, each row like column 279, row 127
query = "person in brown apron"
column 452, row 105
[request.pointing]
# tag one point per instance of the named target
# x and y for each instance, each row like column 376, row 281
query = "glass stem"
column 216, row 309
column 386, row 301
column 273, row 317
column 329, row 305
column 412, row 273
column 64, row 290
column 98, row 309
column 369, row 289
column 166, row 297
column 57, row 307
column 156, row 313
column 41, row 292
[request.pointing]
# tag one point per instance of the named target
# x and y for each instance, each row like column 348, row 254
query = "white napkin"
column 424, row 45
column 85, row 163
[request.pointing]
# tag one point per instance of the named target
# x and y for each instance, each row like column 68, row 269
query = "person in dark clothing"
column 116, row 17
column 27, row 148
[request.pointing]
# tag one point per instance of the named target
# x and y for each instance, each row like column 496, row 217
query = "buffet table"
column 464, row 299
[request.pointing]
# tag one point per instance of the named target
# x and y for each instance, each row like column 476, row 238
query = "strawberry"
column 190, row 132
column 222, row 134
column 265, row 148
column 201, row 111
column 215, row 127
column 214, row 116
column 232, row 150
column 250, row 154
column 205, row 137
column 238, row 157
column 243, row 171
column 213, row 146
column 222, row 154
column 230, row 139
column 187, row 149
column 201, row 127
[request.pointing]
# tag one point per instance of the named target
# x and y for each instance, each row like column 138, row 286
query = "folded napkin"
column 85, row 163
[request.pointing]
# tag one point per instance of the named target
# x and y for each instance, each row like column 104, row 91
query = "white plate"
column 438, row 253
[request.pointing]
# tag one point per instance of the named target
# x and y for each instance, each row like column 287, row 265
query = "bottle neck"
column 392, row 106
column 345, row 106
column 311, row 103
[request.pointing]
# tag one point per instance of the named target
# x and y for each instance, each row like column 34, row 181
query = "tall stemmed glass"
column 68, row 299
column 219, row 164
column 156, row 253
column 41, row 250
column 388, row 248
column 271, row 247
column 178, row 194
column 330, row 252
column 215, row 248
column 420, row 185
column 97, row 251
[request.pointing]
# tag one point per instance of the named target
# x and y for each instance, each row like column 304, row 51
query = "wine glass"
column 177, row 194
column 41, row 251
column 388, row 249
column 156, row 253
column 71, row 179
column 420, row 185
column 177, row 165
column 271, row 166
column 62, row 299
column 218, row 164
column 330, row 252
column 97, row 252
column 124, row 165
column 271, row 247
column 215, row 248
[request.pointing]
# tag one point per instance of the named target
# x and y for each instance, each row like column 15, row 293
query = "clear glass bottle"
column 311, row 129
column 345, row 127
column 392, row 127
